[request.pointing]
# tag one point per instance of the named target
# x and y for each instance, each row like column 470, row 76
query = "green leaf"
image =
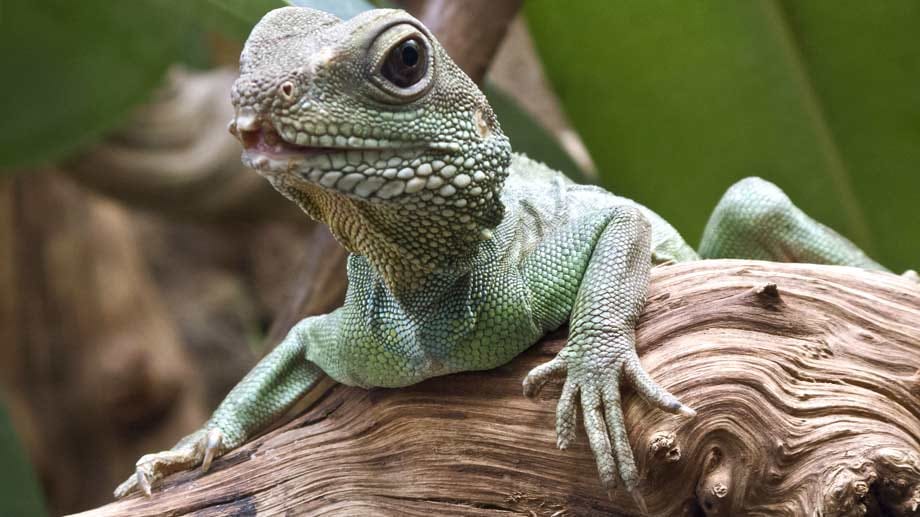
column 19, row 491
column 233, row 18
column 73, row 70
column 677, row 100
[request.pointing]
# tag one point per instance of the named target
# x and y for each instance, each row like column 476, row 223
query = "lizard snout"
column 246, row 126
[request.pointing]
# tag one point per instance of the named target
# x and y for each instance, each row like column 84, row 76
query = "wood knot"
column 767, row 295
column 886, row 478
column 663, row 446
column 713, row 490
column 898, row 480
column 719, row 490
column 768, row 290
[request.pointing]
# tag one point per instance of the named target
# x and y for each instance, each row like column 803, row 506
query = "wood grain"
column 805, row 379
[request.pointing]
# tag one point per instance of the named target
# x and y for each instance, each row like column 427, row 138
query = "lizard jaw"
column 346, row 167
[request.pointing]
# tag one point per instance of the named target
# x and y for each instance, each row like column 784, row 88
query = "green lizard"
column 463, row 254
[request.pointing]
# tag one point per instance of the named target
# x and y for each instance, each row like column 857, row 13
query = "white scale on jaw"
column 362, row 167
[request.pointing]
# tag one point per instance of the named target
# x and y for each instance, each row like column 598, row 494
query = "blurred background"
column 144, row 270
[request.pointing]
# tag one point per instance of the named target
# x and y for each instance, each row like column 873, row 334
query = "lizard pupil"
column 405, row 64
column 409, row 54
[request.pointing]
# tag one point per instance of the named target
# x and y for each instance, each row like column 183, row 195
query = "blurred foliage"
column 75, row 69
column 232, row 18
column 677, row 100
column 19, row 492
column 344, row 9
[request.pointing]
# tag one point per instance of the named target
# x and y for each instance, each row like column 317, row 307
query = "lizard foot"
column 596, row 385
column 198, row 448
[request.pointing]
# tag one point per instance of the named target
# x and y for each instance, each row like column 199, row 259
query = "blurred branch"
column 176, row 156
column 91, row 357
column 471, row 30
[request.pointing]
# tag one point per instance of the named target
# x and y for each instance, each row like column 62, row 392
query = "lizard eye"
column 406, row 63
column 401, row 64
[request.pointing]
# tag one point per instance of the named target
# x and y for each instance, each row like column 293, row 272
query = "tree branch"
column 471, row 31
column 805, row 379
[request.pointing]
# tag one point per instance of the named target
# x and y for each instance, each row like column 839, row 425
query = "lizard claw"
column 128, row 486
column 143, row 482
column 639, row 500
column 199, row 448
column 212, row 447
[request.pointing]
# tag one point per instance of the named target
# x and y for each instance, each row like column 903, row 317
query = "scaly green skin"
column 463, row 254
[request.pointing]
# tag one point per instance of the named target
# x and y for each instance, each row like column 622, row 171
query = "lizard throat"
column 405, row 247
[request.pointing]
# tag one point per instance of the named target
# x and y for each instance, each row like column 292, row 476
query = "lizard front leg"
column 600, row 354
column 276, row 383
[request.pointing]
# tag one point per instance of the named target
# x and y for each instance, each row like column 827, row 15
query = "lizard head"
column 370, row 113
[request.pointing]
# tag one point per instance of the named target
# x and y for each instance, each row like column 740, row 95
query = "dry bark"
column 805, row 379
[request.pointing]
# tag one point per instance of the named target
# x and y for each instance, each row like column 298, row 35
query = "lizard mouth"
column 365, row 168
column 267, row 142
column 265, row 149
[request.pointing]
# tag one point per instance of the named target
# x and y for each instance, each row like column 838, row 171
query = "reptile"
column 462, row 253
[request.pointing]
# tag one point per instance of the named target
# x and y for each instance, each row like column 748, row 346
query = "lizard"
column 463, row 254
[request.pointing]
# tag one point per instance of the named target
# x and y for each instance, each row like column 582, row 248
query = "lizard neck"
column 408, row 246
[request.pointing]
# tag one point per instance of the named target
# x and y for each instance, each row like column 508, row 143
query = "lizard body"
column 450, row 324
column 463, row 253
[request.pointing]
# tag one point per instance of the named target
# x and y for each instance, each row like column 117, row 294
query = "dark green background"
column 676, row 100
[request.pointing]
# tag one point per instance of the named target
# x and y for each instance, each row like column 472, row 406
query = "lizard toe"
column 619, row 440
column 190, row 452
column 539, row 376
column 598, row 438
column 126, row 487
column 651, row 391
column 566, row 415
column 143, row 481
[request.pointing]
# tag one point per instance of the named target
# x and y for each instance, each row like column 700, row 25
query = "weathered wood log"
column 805, row 379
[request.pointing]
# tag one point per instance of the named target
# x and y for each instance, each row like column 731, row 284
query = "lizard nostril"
column 287, row 90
